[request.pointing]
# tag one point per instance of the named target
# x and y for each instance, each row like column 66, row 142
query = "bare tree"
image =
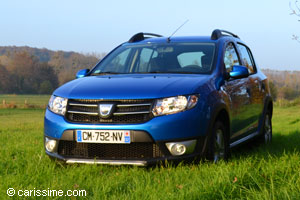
column 295, row 11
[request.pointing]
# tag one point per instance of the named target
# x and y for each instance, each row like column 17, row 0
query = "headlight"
column 58, row 105
column 173, row 105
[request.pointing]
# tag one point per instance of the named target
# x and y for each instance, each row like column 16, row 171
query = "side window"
column 247, row 58
column 230, row 57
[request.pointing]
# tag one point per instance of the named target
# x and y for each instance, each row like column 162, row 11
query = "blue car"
column 155, row 99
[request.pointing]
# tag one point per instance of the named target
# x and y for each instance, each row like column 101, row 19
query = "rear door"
column 255, row 88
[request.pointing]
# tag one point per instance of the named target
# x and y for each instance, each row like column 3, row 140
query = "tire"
column 218, row 145
column 266, row 135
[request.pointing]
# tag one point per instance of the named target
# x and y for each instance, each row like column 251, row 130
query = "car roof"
column 217, row 36
column 182, row 39
column 178, row 39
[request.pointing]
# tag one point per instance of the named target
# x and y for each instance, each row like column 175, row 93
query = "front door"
column 239, row 95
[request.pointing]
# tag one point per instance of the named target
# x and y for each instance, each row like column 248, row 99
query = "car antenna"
column 169, row 38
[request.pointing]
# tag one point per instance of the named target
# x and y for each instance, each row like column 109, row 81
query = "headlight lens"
column 173, row 105
column 58, row 105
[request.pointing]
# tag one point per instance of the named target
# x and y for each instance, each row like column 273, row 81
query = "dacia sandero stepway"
column 155, row 99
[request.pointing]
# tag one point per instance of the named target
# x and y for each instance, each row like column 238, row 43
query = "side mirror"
column 82, row 73
column 239, row 71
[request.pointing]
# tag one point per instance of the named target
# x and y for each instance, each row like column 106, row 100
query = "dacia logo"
column 105, row 110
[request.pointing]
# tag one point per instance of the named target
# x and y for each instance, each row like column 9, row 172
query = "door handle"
column 248, row 91
column 263, row 86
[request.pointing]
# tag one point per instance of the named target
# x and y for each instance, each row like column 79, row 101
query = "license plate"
column 103, row 136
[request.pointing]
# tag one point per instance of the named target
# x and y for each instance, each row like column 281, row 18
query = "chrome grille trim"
column 84, row 113
column 84, row 105
column 131, row 113
column 131, row 105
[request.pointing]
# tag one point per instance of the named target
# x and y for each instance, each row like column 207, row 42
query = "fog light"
column 50, row 145
column 180, row 148
column 177, row 149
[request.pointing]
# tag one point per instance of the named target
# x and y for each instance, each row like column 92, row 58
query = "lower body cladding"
column 141, row 151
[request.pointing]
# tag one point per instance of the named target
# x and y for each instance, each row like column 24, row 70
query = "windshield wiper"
column 104, row 73
column 151, row 72
column 169, row 72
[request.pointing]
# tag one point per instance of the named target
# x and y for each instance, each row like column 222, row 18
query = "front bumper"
column 188, row 125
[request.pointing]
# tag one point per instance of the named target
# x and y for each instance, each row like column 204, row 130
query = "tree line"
column 284, row 84
column 24, row 74
column 26, row 70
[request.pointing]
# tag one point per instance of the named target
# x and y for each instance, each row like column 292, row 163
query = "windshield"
column 159, row 58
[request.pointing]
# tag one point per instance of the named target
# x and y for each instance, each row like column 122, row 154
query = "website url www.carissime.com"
column 46, row 193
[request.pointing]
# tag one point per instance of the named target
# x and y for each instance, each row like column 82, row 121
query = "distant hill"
column 44, row 55
column 64, row 63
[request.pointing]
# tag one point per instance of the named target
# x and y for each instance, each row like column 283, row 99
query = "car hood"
column 131, row 86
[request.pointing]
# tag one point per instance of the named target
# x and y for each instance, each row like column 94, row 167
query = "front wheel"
column 218, row 145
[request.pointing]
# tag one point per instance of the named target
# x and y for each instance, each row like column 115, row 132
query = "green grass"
column 20, row 100
column 253, row 172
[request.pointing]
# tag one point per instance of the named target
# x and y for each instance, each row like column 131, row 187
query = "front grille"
column 141, row 150
column 125, row 111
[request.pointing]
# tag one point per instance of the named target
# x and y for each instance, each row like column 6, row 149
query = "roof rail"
column 217, row 33
column 141, row 36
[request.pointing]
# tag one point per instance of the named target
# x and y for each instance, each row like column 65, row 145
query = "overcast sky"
column 98, row 26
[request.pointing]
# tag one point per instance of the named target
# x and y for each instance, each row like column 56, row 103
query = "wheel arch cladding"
column 219, row 113
column 270, row 107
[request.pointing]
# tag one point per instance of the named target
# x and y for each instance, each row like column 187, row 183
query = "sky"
column 88, row 26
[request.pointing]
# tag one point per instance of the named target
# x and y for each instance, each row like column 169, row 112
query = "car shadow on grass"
column 281, row 144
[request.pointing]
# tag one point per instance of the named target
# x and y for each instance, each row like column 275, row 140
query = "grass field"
column 20, row 100
column 253, row 172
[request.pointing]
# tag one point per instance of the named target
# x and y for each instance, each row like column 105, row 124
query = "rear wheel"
column 218, row 146
column 266, row 136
